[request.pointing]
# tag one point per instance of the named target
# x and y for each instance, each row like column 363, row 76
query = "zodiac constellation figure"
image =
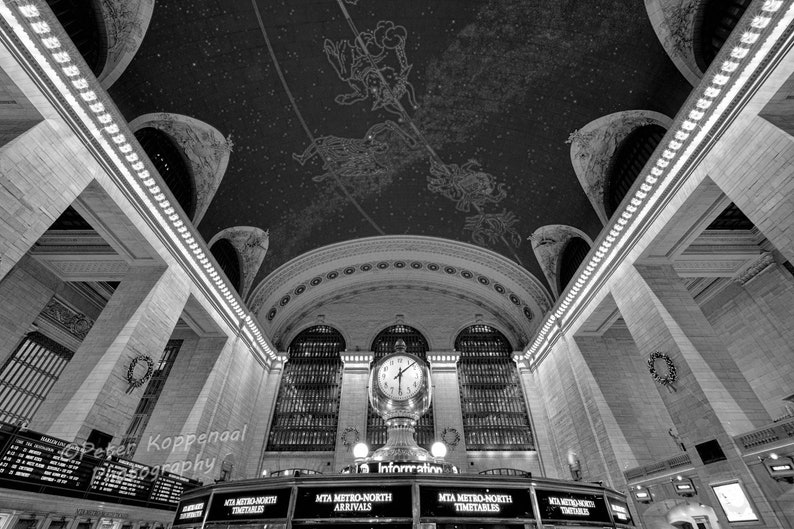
column 363, row 65
column 491, row 227
column 466, row 185
column 350, row 157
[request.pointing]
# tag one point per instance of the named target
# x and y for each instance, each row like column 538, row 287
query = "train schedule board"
column 563, row 506
column 620, row 511
column 249, row 505
column 353, row 502
column 191, row 512
column 470, row 502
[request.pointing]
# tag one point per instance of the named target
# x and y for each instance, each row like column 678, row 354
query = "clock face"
column 400, row 377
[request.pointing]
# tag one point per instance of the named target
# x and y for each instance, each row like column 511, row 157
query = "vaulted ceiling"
column 357, row 118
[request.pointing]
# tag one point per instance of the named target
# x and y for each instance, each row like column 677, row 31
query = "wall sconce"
column 684, row 486
column 641, row 494
column 780, row 468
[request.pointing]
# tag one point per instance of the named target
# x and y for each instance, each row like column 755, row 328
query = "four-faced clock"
column 400, row 377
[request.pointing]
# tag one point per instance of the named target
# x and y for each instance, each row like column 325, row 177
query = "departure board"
column 35, row 462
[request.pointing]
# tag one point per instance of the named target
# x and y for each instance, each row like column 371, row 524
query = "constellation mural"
column 492, row 227
column 353, row 157
column 465, row 184
column 374, row 65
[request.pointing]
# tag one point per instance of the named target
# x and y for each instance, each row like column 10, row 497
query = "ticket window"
column 26, row 522
column 57, row 523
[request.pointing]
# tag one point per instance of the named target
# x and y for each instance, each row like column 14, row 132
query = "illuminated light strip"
column 687, row 126
column 119, row 143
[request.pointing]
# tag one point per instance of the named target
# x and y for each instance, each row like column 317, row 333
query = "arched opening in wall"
column 307, row 405
column 713, row 26
column 227, row 258
column 83, row 22
column 572, row 256
column 70, row 219
column 732, row 218
column 169, row 161
column 630, row 157
column 495, row 414
column 382, row 345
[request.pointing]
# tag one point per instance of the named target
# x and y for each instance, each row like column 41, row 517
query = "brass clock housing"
column 390, row 408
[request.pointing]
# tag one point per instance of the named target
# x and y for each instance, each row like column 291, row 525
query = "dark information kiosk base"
column 446, row 501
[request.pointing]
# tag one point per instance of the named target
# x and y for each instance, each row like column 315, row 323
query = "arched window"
column 717, row 20
column 84, row 24
column 630, row 157
column 226, row 255
column 168, row 159
column 575, row 251
column 307, row 406
column 494, row 412
column 382, row 345
column 70, row 219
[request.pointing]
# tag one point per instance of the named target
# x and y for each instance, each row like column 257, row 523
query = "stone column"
column 41, row 173
column 755, row 168
column 353, row 406
column 447, row 411
column 539, row 419
column 711, row 400
column 93, row 391
column 24, row 293
column 267, row 398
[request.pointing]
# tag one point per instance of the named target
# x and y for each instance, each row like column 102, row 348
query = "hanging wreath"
column 140, row 381
column 450, row 437
column 349, row 437
column 671, row 375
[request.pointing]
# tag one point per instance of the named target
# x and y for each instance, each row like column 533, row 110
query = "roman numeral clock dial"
column 400, row 377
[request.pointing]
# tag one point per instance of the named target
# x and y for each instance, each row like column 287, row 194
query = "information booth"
column 408, row 501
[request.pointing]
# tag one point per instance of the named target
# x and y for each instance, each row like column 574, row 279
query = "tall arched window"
column 84, row 24
column 226, row 255
column 572, row 256
column 382, row 345
column 494, row 411
column 307, row 406
column 170, row 163
column 732, row 218
column 717, row 20
column 630, row 157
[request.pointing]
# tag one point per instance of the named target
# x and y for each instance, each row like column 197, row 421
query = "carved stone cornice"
column 758, row 266
column 443, row 360
column 68, row 319
column 356, row 360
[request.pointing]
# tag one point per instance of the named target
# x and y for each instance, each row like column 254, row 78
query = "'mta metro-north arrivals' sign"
column 568, row 506
column 353, row 502
column 475, row 502
column 257, row 504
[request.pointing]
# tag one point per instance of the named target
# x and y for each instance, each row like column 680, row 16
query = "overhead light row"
column 76, row 88
column 682, row 141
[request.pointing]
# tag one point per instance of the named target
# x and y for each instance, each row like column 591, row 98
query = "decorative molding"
column 356, row 360
column 674, row 24
column 443, row 360
column 251, row 245
column 126, row 24
column 594, row 145
column 760, row 264
column 206, row 150
column 72, row 321
column 548, row 243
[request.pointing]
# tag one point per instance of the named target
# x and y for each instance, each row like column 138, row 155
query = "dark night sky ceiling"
column 481, row 157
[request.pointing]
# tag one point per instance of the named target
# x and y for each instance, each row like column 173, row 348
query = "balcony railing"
column 783, row 430
column 660, row 467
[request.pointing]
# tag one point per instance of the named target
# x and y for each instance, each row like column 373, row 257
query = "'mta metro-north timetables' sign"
column 569, row 506
column 353, row 502
column 475, row 502
column 249, row 505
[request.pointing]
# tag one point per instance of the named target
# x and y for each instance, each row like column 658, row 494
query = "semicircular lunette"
column 674, row 23
column 206, row 152
column 594, row 146
column 548, row 243
column 125, row 26
column 251, row 244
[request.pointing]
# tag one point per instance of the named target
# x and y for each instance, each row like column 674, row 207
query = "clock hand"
column 399, row 374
